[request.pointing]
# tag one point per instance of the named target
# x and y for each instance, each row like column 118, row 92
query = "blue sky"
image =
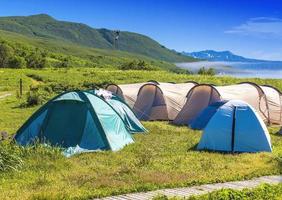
column 252, row 28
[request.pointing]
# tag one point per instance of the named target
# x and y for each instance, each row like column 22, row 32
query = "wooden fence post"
column 21, row 87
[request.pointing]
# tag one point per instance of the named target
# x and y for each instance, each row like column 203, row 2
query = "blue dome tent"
column 235, row 127
column 77, row 121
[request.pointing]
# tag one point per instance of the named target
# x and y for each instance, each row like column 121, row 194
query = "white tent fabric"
column 161, row 101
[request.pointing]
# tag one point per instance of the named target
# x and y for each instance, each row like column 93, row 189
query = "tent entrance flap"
column 150, row 103
column 57, row 128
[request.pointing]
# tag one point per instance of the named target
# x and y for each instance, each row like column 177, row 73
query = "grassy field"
column 165, row 157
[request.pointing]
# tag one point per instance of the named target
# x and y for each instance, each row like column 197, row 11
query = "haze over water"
column 239, row 69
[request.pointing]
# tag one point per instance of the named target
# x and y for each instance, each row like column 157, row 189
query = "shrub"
column 61, row 87
column 37, row 95
column 36, row 60
column 33, row 98
column 5, row 54
column 17, row 62
column 204, row 71
column 180, row 71
column 137, row 65
column 64, row 63
column 35, row 77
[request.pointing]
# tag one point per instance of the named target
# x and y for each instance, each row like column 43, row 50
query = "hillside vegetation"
column 18, row 51
column 45, row 27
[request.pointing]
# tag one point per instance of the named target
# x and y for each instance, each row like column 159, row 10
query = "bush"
column 58, row 88
column 35, row 77
column 33, row 98
column 17, row 62
column 19, row 57
column 37, row 95
column 180, row 71
column 64, row 63
column 204, row 71
column 137, row 65
column 36, row 60
column 6, row 53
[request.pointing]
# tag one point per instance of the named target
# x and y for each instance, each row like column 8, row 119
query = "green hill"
column 44, row 26
column 19, row 51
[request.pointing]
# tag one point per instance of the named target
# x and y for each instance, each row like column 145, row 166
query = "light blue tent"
column 235, row 127
column 78, row 121
column 129, row 118
column 200, row 122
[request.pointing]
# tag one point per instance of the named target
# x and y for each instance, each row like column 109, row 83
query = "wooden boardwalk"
column 197, row 190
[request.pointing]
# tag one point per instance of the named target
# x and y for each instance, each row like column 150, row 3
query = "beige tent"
column 198, row 98
column 127, row 92
column 161, row 101
column 274, row 103
column 168, row 101
column 248, row 92
column 266, row 100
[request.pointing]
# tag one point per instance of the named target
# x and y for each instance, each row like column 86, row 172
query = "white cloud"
column 259, row 26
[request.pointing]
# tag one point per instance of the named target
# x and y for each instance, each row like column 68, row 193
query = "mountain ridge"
column 212, row 55
column 45, row 26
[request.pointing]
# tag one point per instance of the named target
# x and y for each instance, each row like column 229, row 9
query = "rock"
column 3, row 135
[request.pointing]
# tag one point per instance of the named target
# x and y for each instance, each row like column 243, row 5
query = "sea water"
column 238, row 69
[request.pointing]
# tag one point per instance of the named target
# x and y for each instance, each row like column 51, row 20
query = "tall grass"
column 10, row 158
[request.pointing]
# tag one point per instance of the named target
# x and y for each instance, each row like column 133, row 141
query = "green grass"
column 165, row 157
column 262, row 192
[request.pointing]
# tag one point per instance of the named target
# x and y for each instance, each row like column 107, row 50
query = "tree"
column 211, row 71
column 5, row 54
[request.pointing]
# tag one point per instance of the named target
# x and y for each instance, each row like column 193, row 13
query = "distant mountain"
column 45, row 26
column 212, row 55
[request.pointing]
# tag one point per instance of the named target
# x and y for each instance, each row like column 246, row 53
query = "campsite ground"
column 165, row 157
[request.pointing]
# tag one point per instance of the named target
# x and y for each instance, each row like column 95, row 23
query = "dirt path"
column 2, row 96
